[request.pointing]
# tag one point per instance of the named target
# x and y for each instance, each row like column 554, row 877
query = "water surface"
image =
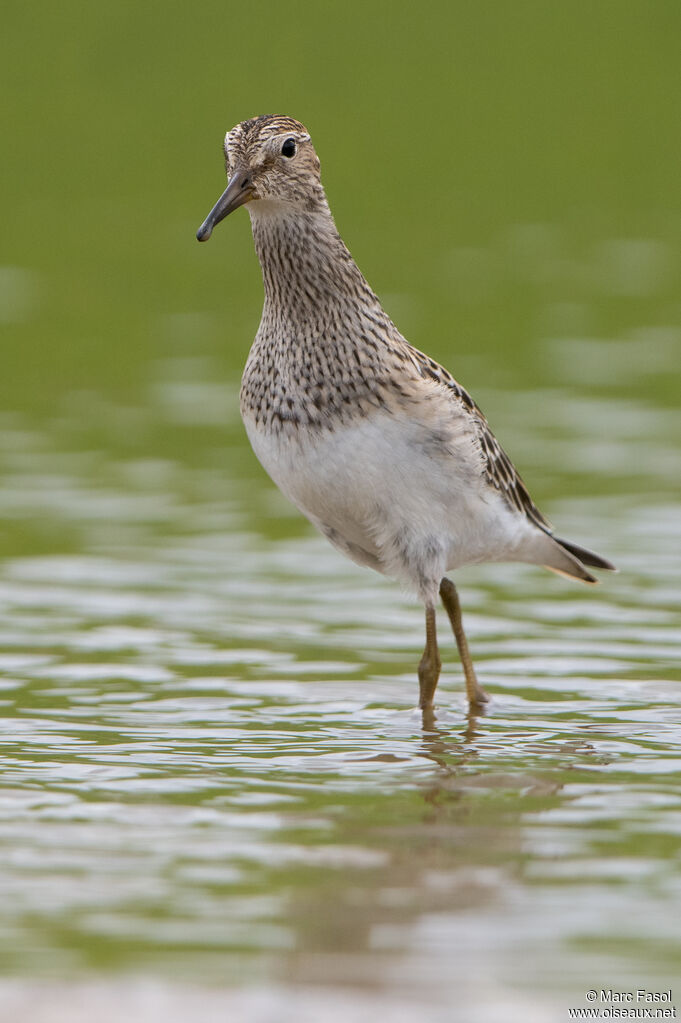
column 216, row 797
column 213, row 770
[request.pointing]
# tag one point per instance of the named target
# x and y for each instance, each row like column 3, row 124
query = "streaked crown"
column 276, row 153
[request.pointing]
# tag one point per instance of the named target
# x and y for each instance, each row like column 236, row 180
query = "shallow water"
column 213, row 770
column 216, row 797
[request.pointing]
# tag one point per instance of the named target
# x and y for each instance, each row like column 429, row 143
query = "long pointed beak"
column 238, row 191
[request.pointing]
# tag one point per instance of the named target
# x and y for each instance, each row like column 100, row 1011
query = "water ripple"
column 213, row 768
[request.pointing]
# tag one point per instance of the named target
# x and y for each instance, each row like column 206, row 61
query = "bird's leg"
column 429, row 665
column 450, row 598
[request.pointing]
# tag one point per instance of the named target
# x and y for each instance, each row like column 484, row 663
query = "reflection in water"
column 213, row 768
column 217, row 800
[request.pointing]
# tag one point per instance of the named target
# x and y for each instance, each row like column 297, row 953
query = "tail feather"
column 566, row 558
column 586, row 557
column 567, row 564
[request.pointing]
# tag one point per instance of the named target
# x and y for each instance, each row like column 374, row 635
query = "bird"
column 373, row 441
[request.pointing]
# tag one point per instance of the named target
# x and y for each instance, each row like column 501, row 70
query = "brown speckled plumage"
column 374, row 441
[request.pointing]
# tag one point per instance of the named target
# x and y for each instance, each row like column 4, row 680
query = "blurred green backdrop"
column 441, row 128
column 210, row 765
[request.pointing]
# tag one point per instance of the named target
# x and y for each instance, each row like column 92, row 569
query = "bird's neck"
column 310, row 278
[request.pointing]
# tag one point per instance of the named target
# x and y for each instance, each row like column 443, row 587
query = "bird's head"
column 269, row 160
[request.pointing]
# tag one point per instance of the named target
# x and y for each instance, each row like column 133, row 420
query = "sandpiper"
column 378, row 445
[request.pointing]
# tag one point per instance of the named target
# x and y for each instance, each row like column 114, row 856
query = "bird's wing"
column 499, row 469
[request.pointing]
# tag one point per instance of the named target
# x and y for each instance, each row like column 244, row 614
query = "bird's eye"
column 289, row 148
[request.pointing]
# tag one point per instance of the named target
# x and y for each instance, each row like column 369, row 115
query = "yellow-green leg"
column 450, row 598
column 429, row 665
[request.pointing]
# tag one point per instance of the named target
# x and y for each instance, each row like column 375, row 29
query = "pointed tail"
column 569, row 559
column 586, row 557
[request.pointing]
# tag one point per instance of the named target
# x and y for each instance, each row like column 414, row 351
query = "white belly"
column 394, row 494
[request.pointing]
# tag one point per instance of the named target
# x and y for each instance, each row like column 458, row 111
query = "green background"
column 441, row 127
column 212, row 774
